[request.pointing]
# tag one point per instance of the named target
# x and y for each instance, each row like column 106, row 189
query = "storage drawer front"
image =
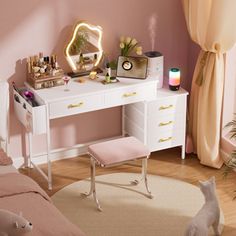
column 33, row 118
column 75, row 106
column 163, row 107
column 168, row 139
column 130, row 95
column 162, row 124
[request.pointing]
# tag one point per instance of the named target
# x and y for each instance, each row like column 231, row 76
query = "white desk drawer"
column 166, row 106
column 130, row 95
column 168, row 139
column 162, row 124
column 75, row 106
column 33, row 118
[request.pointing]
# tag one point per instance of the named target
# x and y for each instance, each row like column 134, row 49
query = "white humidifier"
column 155, row 66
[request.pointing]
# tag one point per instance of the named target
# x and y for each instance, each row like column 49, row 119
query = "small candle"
column 174, row 79
column 93, row 75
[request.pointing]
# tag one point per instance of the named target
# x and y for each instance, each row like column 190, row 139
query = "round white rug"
column 126, row 211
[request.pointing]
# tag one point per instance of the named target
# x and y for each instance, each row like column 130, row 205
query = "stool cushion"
column 118, row 150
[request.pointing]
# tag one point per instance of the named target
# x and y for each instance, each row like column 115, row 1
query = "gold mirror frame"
column 78, row 66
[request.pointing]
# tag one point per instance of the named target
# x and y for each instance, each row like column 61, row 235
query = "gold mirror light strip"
column 95, row 28
column 165, row 123
column 164, row 139
column 75, row 105
column 129, row 94
column 166, row 107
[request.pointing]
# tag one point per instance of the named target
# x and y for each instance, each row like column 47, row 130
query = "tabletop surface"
column 87, row 87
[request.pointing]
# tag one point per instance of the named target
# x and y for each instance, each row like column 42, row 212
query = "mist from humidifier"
column 152, row 30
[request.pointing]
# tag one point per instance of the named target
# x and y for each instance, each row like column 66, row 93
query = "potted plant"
column 127, row 46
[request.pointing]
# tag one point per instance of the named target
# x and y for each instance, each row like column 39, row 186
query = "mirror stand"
column 78, row 74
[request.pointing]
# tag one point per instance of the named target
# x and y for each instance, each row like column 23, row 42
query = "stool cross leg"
column 126, row 149
column 92, row 183
column 144, row 176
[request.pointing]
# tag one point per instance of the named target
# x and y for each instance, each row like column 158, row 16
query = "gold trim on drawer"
column 165, row 123
column 164, row 139
column 166, row 107
column 75, row 105
column 129, row 94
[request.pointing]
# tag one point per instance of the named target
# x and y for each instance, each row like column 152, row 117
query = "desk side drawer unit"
column 165, row 122
column 75, row 106
column 33, row 118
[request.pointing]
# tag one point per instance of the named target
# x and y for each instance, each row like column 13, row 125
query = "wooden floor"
column 163, row 163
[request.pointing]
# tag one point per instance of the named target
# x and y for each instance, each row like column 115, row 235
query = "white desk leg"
column 29, row 160
column 48, row 149
column 123, row 121
column 183, row 151
column 184, row 137
column 145, row 123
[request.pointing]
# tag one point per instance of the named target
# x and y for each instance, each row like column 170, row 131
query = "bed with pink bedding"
column 19, row 193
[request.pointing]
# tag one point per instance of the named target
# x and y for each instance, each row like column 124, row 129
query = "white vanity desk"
column 157, row 117
column 91, row 95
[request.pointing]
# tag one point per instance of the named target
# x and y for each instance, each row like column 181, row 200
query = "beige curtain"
column 212, row 25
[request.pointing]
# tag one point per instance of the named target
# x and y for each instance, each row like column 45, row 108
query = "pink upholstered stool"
column 117, row 152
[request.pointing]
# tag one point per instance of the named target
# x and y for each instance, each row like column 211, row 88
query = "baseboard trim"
column 41, row 158
column 225, row 156
column 59, row 154
column 77, row 150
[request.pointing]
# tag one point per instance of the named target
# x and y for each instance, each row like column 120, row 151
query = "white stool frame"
column 93, row 163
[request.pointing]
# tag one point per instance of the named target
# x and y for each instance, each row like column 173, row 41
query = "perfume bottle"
column 108, row 78
column 108, row 69
column 41, row 60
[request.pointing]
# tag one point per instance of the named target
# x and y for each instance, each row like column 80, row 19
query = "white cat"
column 208, row 215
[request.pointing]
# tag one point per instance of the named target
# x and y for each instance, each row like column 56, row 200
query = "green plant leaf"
column 113, row 64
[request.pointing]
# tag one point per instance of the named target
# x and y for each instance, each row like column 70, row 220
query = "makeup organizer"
column 44, row 71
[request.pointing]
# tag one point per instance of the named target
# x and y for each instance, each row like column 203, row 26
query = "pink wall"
column 193, row 52
column 30, row 26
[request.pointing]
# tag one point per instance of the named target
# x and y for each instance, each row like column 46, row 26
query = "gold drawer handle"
column 164, row 139
column 129, row 94
column 165, row 107
column 166, row 123
column 75, row 105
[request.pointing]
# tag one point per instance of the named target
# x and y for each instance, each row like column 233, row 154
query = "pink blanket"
column 19, row 193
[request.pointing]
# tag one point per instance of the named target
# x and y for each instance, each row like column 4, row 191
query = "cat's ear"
column 213, row 179
column 201, row 183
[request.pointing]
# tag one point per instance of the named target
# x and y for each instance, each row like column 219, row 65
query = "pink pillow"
column 4, row 159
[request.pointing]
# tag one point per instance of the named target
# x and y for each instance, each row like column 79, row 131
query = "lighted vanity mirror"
column 84, row 50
